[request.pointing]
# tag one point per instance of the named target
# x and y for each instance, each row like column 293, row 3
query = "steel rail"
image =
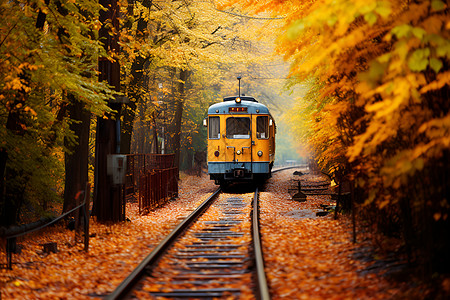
column 286, row 168
column 263, row 289
column 124, row 288
column 135, row 276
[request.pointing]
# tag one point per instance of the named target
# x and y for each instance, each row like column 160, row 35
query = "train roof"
column 243, row 98
column 253, row 107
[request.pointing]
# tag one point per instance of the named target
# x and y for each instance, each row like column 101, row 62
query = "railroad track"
column 316, row 188
column 214, row 253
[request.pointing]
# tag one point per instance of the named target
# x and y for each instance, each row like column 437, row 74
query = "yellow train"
column 241, row 140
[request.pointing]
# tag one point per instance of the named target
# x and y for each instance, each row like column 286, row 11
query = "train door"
column 238, row 142
column 262, row 136
column 272, row 129
column 214, row 144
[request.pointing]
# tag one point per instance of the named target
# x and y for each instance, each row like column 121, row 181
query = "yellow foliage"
column 382, row 83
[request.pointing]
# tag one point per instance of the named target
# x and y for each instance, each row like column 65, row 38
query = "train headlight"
column 216, row 153
column 238, row 100
column 238, row 152
column 260, row 153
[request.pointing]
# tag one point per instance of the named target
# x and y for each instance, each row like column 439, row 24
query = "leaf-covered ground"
column 309, row 257
column 306, row 256
column 114, row 251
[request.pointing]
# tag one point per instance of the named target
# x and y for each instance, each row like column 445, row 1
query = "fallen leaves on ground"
column 306, row 257
column 114, row 251
column 309, row 257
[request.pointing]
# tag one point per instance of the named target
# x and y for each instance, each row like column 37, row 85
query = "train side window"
column 238, row 128
column 262, row 127
column 214, row 127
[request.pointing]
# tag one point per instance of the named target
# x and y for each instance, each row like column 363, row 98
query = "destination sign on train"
column 237, row 109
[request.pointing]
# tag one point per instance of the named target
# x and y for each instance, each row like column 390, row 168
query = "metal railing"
column 81, row 210
column 139, row 164
column 156, row 188
column 151, row 175
column 153, row 178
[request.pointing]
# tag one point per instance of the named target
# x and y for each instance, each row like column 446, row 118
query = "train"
column 241, row 141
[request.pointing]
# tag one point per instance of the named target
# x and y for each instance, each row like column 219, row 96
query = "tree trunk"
column 179, row 102
column 136, row 83
column 3, row 159
column 107, row 200
column 15, row 181
column 155, row 136
column 104, row 194
column 188, row 159
column 76, row 163
column 128, row 114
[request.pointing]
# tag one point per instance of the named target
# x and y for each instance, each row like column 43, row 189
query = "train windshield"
column 262, row 127
column 238, row 128
column 214, row 127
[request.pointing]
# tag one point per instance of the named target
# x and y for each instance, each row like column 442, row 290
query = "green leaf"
column 370, row 18
column 402, row 30
column 437, row 5
column 436, row 64
column 383, row 11
column 332, row 20
column 444, row 50
column 367, row 8
column 419, row 32
column 418, row 61
column 384, row 58
column 295, row 29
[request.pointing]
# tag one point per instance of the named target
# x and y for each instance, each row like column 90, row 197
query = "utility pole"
column 239, row 79
column 107, row 196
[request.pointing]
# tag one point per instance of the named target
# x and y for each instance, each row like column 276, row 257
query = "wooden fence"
column 156, row 187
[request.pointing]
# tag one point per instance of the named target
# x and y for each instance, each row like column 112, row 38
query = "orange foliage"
column 378, row 72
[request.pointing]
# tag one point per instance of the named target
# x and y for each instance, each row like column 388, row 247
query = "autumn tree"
column 45, row 70
column 378, row 106
column 188, row 49
column 137, row 59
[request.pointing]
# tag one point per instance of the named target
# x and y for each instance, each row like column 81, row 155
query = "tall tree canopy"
column 378, row 105
column 48, row 50
column 211, row 45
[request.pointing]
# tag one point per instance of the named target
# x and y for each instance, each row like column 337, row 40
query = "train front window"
column 262, row 127
column 214, row 127
column 238, row 128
